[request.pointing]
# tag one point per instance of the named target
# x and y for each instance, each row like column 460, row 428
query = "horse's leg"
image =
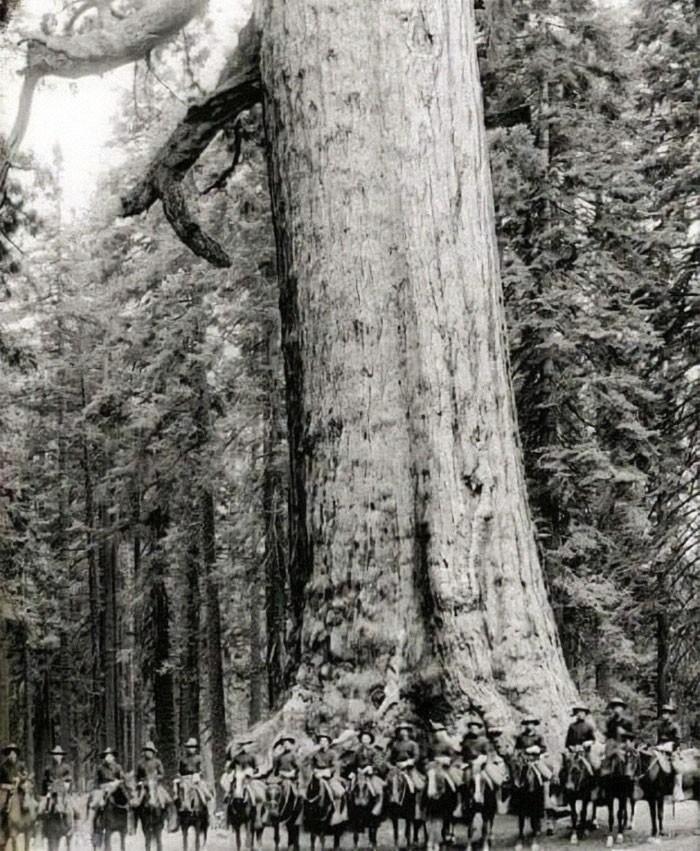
column 184, row 837
column 660, row 806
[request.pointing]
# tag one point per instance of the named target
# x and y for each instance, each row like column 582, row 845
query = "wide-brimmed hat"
column 57, row 750
column 366, row 733
column 149, row 746
column 323, row 734
column 437, row 726
column 495, row 731
column 668, row 707
column 531, row 719
column 475, row 722
column 285, row 737
column 617, row 701
column 192, row 743
column 107, row 750
column 404, row 725
column 534, row 750
column 11, row 747
column 579, row 707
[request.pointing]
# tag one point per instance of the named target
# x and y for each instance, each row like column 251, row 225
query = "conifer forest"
column 350, row 378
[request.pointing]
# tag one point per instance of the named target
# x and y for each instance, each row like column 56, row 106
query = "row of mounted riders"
column 354, row 787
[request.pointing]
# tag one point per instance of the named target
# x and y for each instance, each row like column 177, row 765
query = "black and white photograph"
column 349, row 425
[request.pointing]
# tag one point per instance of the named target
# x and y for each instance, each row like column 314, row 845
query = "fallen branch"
column 239, row 89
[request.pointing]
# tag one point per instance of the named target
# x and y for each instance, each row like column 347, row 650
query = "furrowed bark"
column 414, row 575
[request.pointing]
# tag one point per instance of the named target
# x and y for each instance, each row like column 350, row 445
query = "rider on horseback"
column 475, row 750
column 529, row 744
column 12, row 773
column 150, row 772
column 404, row 753
column 108, row 776
column 285, row 765
column 192, row 789
column 324, row 765
column 240, row 759
column 366, row 761
column 56, row 783
column 668, row 739
column 446, row 754
column 579, row 738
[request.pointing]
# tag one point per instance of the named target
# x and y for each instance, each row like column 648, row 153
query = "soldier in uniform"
column 190, row 771
column 12, row 773
column 404, row 753
column 580, row 735
column 324, row 765
column 107, row 775
column 668, row 737
column 150, row 772
column 475, row 750
column 366, row 760
column 531, row 743
column 56, row 782
column 446, row 754
column 238, row 756
column 617, row 723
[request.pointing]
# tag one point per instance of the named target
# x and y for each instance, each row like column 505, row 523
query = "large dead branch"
column 238, row 89
column 117, row 42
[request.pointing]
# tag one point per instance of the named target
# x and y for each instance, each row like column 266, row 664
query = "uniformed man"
column 191, row 790
column 367, row 760
column 150, row 772
column 445, row 752
column 284, row 760
column 404, row 753
column 56, row 783
column 475, row 749
column 238, row 756
column 531, row 744
column 108, row 775
column 580, row 736
column 668, row 737
column 324, row 765
column 497, row 742
column 617, row 722
column 12, row 772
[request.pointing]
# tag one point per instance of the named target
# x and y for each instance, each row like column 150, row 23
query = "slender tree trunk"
column 4, row 676
column 163, row 685
column 189, row 674
column 215, row 670
column 108, row 632
column 663, row 636
column 413, row 567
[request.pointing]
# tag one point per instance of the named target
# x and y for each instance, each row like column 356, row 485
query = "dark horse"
column 528, row 797
column 655, row 779
column 319, row 811
column 365, row 808
column 283, row 806
column 150, row 812
column 112, row 817
column 58, row 818
column 479, row 810
column 579, row 781
column 617, row 784
column 441, row 801
column 241, row 809
column 192, row 812
column 403, row 803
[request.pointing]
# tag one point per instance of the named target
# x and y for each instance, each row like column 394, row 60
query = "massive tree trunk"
column 413, row 562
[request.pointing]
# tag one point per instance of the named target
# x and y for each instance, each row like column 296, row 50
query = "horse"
column 441, row 801
column 655, row 779
column 21, row 813
column 112, row 817
column 479, row 808
column 151, row 812
column 528, row 798
column 58, row 818
column 365, row 807
column 404, row 803
column 319, row 811
column 241, row 808
column 192, row 812
column 617, row 784
column 579, row 781
column 283, row 805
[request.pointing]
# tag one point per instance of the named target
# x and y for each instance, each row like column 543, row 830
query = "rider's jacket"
column 442, row 748
column 242, row 760
column 286, row 762
column 323, row 759
column 54, row 772
column 365, row 756
column 614, row 726
column 668, row 731
column 190, row 764
column 528, row 740
column 474, row 746
column 579, row 732
column 149, row 769
column 402, row 750
column 11, row 771
column 107, row 773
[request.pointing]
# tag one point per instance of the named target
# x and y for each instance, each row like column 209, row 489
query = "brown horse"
column 655, row 779
column 404, row 803
column 441, row 802
column 22, row 809
column 58, row 819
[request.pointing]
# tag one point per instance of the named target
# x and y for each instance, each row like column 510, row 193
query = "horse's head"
column 396, row 786
column 240, row 784
column 437, row 782
column 273, row 800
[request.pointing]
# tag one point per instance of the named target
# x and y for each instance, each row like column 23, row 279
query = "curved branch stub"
column 187, row 229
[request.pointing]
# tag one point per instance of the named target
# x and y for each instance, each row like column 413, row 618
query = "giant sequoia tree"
column 414, row 574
